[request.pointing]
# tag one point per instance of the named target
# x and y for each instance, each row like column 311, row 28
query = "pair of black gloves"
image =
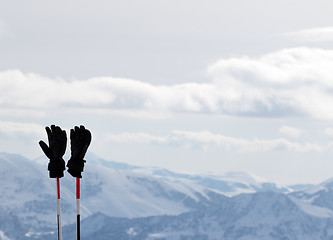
column 80, row 141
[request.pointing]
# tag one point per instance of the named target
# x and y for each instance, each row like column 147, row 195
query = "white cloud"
column 15, row 128
column 329, row 131
column 291, row 131
column 312, row 34
column 204, row 139
column 38, row 92
column 35, row 91
column 290, row 82
column 136, row 137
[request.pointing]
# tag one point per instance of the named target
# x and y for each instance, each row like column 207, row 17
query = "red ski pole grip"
column 58, row 188
column 77, row 188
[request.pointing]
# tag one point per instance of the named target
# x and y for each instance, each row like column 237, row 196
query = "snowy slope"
column 155, row 203
column 117, row 189
column 230, row 184
column 260, row 216
column 320, row 195
column 27, row 191
column 127, row 194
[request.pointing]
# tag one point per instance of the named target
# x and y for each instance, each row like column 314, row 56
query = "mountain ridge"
column 131, row 202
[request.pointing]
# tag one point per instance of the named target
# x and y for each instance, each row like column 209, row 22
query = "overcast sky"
column 190, row 85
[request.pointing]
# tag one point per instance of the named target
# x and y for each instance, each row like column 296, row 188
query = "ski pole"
column 78, row 208
column 59, row 210
column 80, row 141
column 57, row 139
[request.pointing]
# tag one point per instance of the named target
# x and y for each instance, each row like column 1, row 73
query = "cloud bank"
column 291, row 131
column 206, row 139
column 329, row 131
column 289, row 82
column 21, row 129
column 312, row 35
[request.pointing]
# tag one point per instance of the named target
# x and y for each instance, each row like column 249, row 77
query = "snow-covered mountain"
column 120, row 201
column 260, row 216
column 115, row 189
column 27, row 190
column 231, row 183
column 320, row 195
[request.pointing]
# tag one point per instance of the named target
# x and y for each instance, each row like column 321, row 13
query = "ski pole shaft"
column 78, row 208
column 59, row 210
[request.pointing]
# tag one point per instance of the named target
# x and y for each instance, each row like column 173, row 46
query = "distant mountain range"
column 121, row 201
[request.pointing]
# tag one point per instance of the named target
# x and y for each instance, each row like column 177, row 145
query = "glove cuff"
column 75, row 167
column 56, row 168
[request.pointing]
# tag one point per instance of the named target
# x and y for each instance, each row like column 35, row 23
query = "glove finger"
column 45, row 148
column 87, row 136
column 78, row 132
column 49, row 133
column 58, row 133
column 63, row 134
column 72, row 134
column 82, row 133
column 86, row 142
column 53, row 132
column 57, row 129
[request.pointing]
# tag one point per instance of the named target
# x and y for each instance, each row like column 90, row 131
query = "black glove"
column 56, row 149
column 80, row 141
